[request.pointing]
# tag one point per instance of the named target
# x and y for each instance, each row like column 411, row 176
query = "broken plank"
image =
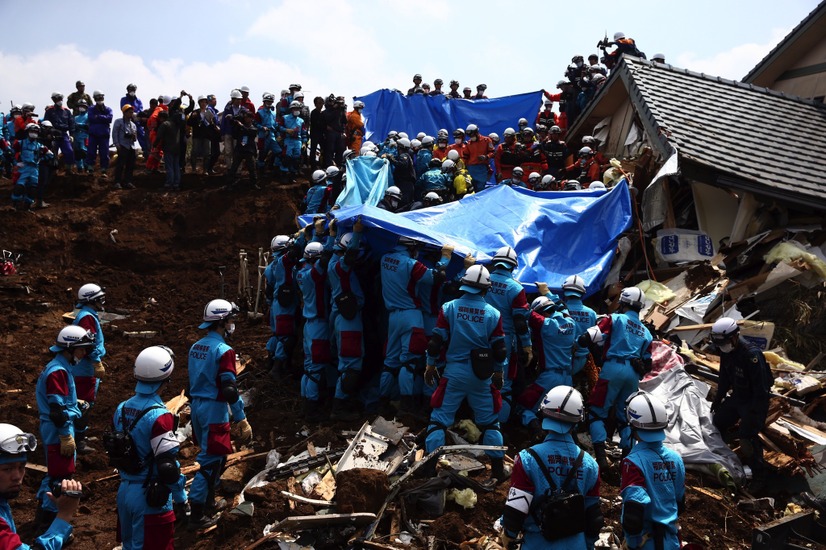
column 706, row 492
column 36, row 468
column 291, row 487
column 305, row 500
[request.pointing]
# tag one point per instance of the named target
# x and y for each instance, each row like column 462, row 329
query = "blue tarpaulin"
column 386, row 110
column 367, row 179
column 555, row 234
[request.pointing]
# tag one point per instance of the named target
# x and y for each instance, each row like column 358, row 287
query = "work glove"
column 82, row 405
column 245, row 431
column 469, row 261
column 447, row 250
column 528, row 354
column 542, row 288
column 431, row 375
column 358, row 227
column 100, row 370
column 332, row 228
column 318, row 225
column 67, row 445
column 498, row 380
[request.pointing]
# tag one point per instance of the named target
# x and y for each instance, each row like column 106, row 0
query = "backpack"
column 560, row 512
column 121, row 448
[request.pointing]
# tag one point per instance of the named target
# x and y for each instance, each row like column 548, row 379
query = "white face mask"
column 33, row 135
column 99, row 102
column 296, row 113
column 726, row 348
column 458, row 141
column 58, row 104
column 230, row 328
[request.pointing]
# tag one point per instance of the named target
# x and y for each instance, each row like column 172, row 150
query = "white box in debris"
column 683, row 245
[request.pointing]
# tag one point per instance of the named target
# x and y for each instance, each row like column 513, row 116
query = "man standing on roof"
column 623, row 46
column 355, row 126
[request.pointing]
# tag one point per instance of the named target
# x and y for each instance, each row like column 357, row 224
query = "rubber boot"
column 343, row 410
column 498, row 471
column 198, row 519
column 602, row 458
column 312, row 411
column 276, row 369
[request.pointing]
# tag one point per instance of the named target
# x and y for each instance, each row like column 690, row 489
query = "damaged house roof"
column 729, row 134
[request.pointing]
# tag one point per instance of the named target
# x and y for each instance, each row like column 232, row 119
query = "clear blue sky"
column 351, row 47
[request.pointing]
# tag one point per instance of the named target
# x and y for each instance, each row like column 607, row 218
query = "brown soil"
column 160, row 268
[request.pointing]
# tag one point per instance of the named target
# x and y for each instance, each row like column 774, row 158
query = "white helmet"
column 658, row 57
column 218, row 310
column 541, row 304
column 510, row 132
column 586, row 152
column 522, row 122
column 368, row 153
column 561, row 408
column 319, row 176
column 534, row 177
column 442, row 133
column 632, row 297
column 295, row 105
column 453, row 155
column 234, row 94
column 574, row 285
column 433, row 196
column 619, row 35
column 313, row 250
column 597, row 186
column 394, row 192
column 494, row 137
column 166, row 99
column 518, row 171
column 89, row 293
column 648, row 415
column 415, row 143
column 202, row 97
column 347, row 154
column 403, row 143
column 279, row 243
column 358, row 104
column 73, row 336
column 723, row 329
column 448, row 165
column 269, row 97
column 588, row 140
column 244, row 89
column 506, row 255
column 154, row 364
column 427, row 140
column 403, row 135
column 298, row 96
column 332, row 171
column 547, row 181
column 46, row 124
column 420, row 136
column 475, row 280
column 344, row 241
column 15, row 443
column 471, row 128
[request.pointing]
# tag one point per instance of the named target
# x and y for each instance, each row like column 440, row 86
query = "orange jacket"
column 462, row 149
column 483, row 147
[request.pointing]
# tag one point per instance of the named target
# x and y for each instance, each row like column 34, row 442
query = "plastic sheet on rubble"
column 543, row 228
column 386, row 110
column 793, row 250
column 690, row 431
column 655, row 291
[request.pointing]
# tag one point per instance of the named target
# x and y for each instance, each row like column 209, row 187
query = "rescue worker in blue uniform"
column 315, row 194
column 744, row 371
column 311, row 279
column 285, row 306
column 31, row 153
column 627, row 358
column 573, row 289
column 81, row 135
column 152, row 485
column 214, row 393
column 346, row 305
column 423, row 156
column 432, row 180
column 653, row 479
column 14, row 448
column 401, row 275
column 559, row 459
column 557, row 334
column 58, row 408
column 89, row 371
column 471, row 329
column 508, row 297
column 279, row 246
column 267, row 126
column 295, row 136
column 64, row 124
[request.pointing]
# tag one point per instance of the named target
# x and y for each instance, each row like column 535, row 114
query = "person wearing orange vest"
column 355, row 127
column 479, row 152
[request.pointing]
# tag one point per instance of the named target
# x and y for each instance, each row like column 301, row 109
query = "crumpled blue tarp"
column 386, row 110
column 367, row 179
column 555, row 234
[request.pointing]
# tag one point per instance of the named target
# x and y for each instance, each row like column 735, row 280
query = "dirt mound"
column 451, row 527
column 361, row 490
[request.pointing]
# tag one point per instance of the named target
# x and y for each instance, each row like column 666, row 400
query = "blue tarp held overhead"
column 387, row 110
column 367, row 179
column 555, row 234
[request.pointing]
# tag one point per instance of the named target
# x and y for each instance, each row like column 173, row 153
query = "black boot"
column 498, row 471
column 276, row 369
column 198, row 518
column 343, row 410
column 312, row 411
column 386, row 409
column 602, row 458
